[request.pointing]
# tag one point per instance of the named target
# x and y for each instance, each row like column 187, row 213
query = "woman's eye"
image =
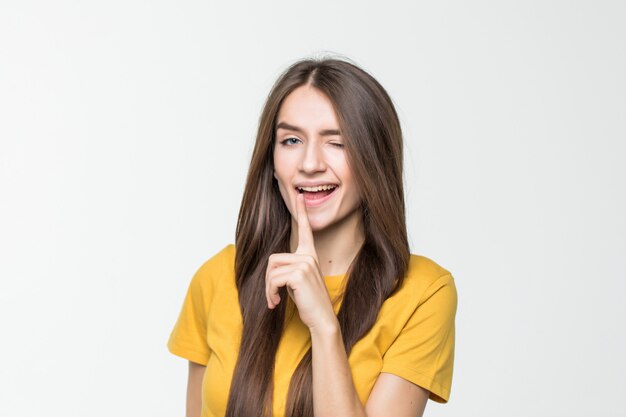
column 289, row 141
column 338, row 145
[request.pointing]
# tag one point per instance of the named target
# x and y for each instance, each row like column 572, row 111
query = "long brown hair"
column 373, row 142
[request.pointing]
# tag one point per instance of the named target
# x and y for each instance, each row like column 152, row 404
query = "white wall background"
column 126, row 128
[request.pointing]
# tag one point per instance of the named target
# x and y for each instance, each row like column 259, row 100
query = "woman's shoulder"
column 223, row 258
column 426, row 267
column 423, row 279
column 423, row 273
column 219, row 266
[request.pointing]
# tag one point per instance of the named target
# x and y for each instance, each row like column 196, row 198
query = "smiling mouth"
column 312, row 194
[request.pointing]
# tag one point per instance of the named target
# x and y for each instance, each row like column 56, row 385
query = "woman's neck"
column 336, row 245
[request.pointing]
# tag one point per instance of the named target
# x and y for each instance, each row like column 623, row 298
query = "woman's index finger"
column 306, row 244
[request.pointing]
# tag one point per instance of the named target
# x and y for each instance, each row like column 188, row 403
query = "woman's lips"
column 318, row 198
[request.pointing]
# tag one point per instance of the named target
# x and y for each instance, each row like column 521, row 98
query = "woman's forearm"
column 333, row 389
column 194, row 389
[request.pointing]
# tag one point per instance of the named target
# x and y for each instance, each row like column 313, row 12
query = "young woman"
column 320, row 309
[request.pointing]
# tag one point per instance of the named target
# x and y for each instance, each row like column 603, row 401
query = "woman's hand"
column 300, row 272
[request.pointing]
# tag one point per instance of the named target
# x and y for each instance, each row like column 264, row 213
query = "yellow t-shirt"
column 413, row 336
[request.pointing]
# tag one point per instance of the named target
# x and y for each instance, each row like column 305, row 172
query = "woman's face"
column 309, row 152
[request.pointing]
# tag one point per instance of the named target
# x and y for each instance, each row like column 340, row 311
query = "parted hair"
column 372, row 136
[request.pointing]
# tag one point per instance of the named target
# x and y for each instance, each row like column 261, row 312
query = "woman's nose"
column 312, row 159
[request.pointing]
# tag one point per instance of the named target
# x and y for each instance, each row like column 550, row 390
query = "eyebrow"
column 325, row 132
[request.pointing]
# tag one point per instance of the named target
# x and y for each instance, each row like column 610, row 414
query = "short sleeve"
column 423, row 352
column 189, row 336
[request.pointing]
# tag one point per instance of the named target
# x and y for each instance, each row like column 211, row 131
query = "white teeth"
column 318, row 188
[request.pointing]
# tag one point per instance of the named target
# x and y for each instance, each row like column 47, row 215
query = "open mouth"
column 317, row 195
